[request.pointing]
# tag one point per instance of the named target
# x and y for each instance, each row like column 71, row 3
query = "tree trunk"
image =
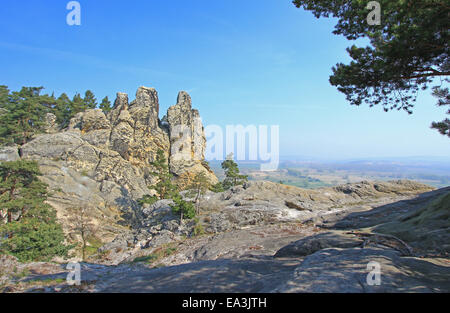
column 9, row 216
column 84, row 246
column 11, row 197
column 197, row 202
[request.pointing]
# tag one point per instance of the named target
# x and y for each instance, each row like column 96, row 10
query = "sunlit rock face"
column 104, row 160
column 187, row 138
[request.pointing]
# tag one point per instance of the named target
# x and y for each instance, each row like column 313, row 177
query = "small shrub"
column 170, row 251
column 146, row 259
column 198, row 228
column 217, row 187
column 147, row 199
column 184, row 208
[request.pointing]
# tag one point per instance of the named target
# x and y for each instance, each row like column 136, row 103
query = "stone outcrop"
column 51, row 126
column 104, row 160
column 187, row 138
column 9, row 153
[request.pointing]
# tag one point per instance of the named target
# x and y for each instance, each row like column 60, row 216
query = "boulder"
column 309, row 245
column 9, row 153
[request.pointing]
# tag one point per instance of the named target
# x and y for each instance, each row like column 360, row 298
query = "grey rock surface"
column 9, row 153
column 346, row 270
column 309, row 245
column 280, row 257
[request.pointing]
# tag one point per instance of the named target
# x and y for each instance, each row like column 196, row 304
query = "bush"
column 34, row 240
column 31, row 232
column 198, row 229
column 184, row 208
column 147, row 199
column 217, row 187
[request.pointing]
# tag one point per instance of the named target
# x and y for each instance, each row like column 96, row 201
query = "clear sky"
column 243, row 62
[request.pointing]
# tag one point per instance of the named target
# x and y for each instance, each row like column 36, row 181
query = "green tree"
column 407, row 52
column 90, row 102
column 217, row 187
column 443, row 100
column 63, row 110
column 232, row 174
column 22, row 114
column 105, row 105
column 184, row 208
column 164, row 187
column 77, row 105
column 30, row 231
column 199, row 185
column 4, row 112
column 4, row 94
column 81, row 223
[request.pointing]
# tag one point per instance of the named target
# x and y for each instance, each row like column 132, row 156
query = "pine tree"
column 105, row 105
column 443, row 96
column 164, row 187
column 22, row 115
column 403, row 54
column 63, row 110
column 184, row 208
column 90, row 102
column 217, row 187
column 31, row 232
column 4, row 111
column 77, row 105
column 232, row 175
column 4, row 94
column 200, row 185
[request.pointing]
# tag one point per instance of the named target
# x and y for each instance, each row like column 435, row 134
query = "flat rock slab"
column 346, row 271
column 225, row 275
column 309, row 245
column 328, row 270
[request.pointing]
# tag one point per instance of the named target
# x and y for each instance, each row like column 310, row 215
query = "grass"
column 198, row 228
column 93, row 244
column 22, row 274
column 46, row 282
column 146, row 259
column 158, row 254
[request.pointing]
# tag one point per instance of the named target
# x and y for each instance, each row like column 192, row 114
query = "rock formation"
column 187, row 138
column 104, row 160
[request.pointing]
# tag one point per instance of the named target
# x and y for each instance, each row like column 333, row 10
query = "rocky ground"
column 265, row 237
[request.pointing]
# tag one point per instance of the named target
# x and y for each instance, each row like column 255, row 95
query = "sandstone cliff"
column 103, row 161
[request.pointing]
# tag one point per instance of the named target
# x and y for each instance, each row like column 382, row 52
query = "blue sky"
column 243, row 62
